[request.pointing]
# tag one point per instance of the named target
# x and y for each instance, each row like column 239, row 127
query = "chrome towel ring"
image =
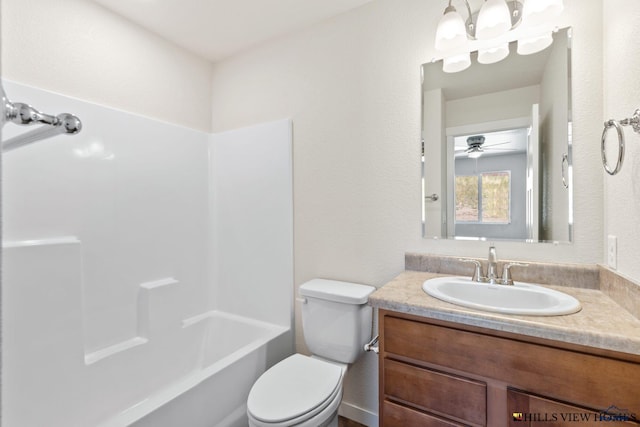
column 634, row 122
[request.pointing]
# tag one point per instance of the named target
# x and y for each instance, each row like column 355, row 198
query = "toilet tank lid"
column 337, row 291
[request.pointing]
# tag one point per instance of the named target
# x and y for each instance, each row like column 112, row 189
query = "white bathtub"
column 234, row 352
column 188, row 373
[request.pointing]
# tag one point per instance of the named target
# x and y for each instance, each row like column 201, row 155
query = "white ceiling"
column 216, row 29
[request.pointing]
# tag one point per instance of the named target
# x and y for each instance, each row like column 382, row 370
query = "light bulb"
column 456, row 63
column 474, row 154
column 452, row 31
column 494, row 20
column 493, row 54
column 534, row 44
column 538, row 12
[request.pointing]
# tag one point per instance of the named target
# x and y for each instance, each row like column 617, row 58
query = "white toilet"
column 306, row 391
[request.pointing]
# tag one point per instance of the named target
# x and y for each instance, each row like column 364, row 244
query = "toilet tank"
column 336, row 320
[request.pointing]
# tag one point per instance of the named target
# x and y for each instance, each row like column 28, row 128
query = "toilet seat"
column 295, row 390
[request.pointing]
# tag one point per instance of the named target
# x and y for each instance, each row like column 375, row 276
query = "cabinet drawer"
column 400, row 416
column 442, row 394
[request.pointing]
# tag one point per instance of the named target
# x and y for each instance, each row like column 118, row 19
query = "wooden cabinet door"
column 526, row 410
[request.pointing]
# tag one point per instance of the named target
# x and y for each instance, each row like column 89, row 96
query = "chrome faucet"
column 506, row 272
column 477, row 271
column 492, row 267
column 492, row 277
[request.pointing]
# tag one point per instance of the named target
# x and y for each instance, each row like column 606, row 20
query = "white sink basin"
column 521, row 298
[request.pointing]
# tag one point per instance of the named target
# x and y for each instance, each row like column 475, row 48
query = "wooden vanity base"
column 435, row 373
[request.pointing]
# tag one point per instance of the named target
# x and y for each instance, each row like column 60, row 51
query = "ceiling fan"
column 477, row 146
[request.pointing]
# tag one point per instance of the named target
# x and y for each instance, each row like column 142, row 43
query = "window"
column 467, row 198
column 484, row 198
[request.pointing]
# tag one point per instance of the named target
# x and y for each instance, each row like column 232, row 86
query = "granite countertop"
column 602, row 323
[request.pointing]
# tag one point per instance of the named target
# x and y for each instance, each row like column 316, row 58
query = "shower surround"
column 148, row 269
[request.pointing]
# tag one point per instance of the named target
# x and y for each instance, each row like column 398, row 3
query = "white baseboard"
column 361, row 415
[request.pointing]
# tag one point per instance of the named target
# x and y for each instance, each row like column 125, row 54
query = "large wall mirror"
column 496, row 148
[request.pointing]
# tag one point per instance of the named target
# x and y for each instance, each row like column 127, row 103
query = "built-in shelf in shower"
column 159, row 283
column 156, row 314
column 95, row 356
column 157, row 307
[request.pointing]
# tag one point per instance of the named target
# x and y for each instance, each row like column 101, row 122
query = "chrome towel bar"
column 24, row 114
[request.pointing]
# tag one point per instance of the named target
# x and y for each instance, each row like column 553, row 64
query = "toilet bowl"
column 298, row 391
column 306, row 391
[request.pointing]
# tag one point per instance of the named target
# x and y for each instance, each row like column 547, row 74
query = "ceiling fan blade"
column 495, row 144
column 474, row 150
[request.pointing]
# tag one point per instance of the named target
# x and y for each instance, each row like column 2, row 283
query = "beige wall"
column 352, row 87
column 80, row 49
column 503, row 105
column 622, row 97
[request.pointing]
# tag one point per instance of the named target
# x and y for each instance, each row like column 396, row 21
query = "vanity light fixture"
column 530, row 45
column 451, row 33
column 491, row 26
column 539, row 12
column 493, row 54
column 451, row 36
column 453, row 64
column 494, row 20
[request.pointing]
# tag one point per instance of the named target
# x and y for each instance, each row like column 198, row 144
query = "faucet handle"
column 506, row 272
column 477, row 272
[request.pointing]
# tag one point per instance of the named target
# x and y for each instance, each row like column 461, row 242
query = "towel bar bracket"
column 24, row 114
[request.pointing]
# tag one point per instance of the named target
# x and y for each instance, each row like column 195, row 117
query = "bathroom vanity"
column 445, row 365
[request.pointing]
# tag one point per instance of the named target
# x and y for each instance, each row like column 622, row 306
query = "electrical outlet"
column 612, row 251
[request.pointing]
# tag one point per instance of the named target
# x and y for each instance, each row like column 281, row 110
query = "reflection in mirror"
column 496, row 149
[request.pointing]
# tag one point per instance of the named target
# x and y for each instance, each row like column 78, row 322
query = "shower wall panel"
column 119, row 243
column 132, row 190
column 252, row 203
